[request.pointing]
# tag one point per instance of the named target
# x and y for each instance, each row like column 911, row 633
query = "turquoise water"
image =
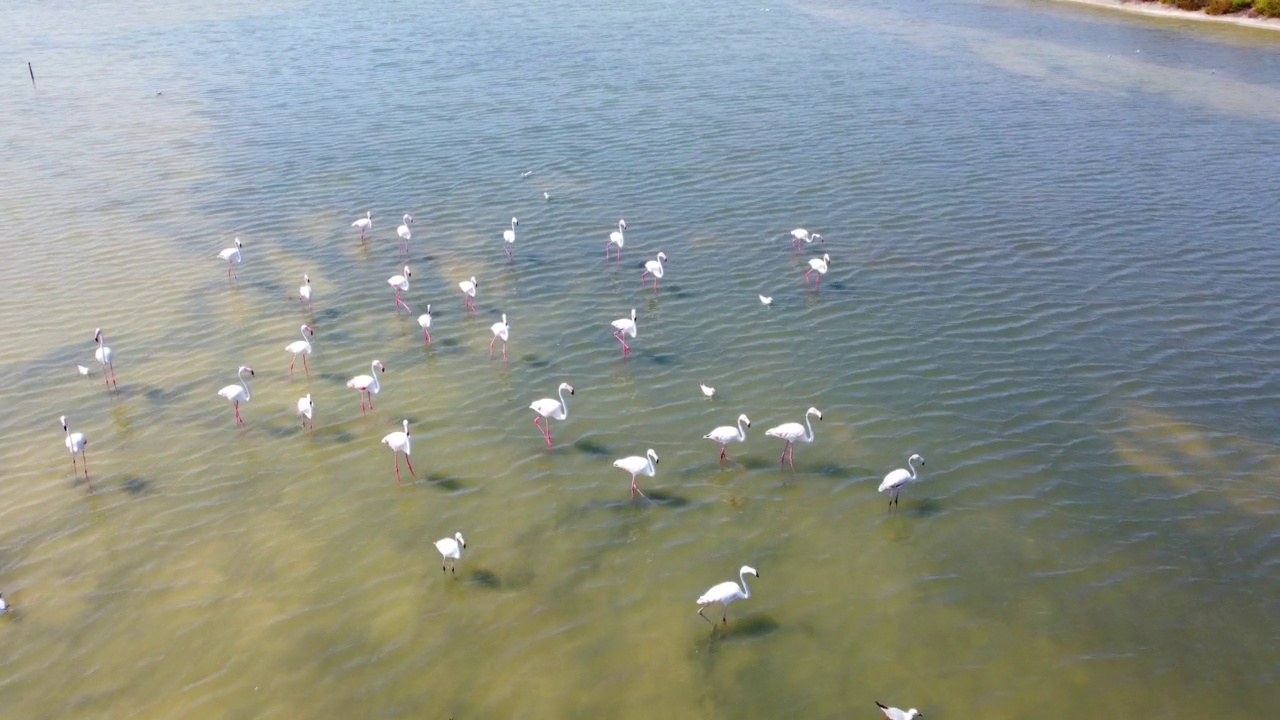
column 1053, row 272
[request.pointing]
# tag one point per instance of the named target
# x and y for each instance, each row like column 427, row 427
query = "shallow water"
column 1053, row 275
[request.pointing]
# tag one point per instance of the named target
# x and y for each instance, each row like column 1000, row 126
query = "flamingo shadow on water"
column 746, row 628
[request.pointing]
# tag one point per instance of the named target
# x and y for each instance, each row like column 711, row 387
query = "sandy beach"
column 1165, row 11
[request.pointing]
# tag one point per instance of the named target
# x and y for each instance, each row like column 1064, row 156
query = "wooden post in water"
column 33, row 74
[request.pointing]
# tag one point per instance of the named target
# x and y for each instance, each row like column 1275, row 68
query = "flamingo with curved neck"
column 725, row 593
column 794, row 432
column 726, row 434
column 548, row 408
column 368, row 385
column 238, row 393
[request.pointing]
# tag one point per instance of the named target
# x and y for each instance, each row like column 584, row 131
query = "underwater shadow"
column 485, row 579
column 135, row 485
column 752, row 626
column 591, row 447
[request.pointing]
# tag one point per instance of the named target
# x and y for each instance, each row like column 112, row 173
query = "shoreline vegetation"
column 1263, row 14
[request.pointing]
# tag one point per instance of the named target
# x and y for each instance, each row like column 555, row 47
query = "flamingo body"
column 500, row 330
column 368, row 385
column 304, row 291
column 725, row 593
column 654, row 268
column 726, row 434
column 424, row 322
column 900, row 478
column 624, row 328
column 819, row 266
column 400, row 283
column 232, row 256
column 76, row 444
column 104, row 356
column 307, row 410
column 238, row 393
column 399, row 443
column 551, row 408
column 364, row 224
column 509, row 237
column 451, row 549
column 637, row 465
column 300, row 347
column 616, row 238
column 794, row 432
column 468, row 288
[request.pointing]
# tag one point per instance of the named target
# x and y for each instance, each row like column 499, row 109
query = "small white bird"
column 405, row 235
column 546, row 196
column 800, row 234
column 654, row 268
column 424, row 322
column 500, row 330
column 624, row 327
column 104, row 356
column 238, row 393
column 793, row 432
column 894, row 713
column 304, row 292
column 4, row 606
column 232, row 256
column 451, row 549
column 83, row 370
column 726, row 434
column 368, row 385
column 817, row 265
column 307, row 410
column 548, row 408
column 616, row 238
column 707, row 390
column 76, row 443
column 525, row 174
column 300, row 347
column 365, row 224
column 400, row 283
column 469, row 293
column 509, row 238
column 765, row 300
column 637, row 465
column 896, row 480
column 399, row 443
column 725, row 593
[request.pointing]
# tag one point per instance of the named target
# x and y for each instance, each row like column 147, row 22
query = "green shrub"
column 1217, row 7
column 1191, row 4
column 1238, row 5
column 1270, row 8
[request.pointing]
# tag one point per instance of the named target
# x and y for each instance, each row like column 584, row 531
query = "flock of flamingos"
column 545, row 410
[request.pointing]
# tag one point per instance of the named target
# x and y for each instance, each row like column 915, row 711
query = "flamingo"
column 469, row 293
column 896, row 480
column 451, row 549
column 793, row 432
column 626, row 328
column 726, row 434
column 820, row 266
column 238, row 393
column 424, row 321
column 400, row 283
column 616, row 238
column 725, row 593
column 636, row 465
column 399, row 443
column 509, row 236
column 301, row 347
column 801, row 234
column 103, row 355
column 365, row 224
column 304, row 292
column 500, row 330
column 232, row 256
column 76, row 443
column 307, row 411
column 405, row 235
column 894, row 713
column 548, row 408
column 654, row 268
column 368, row 385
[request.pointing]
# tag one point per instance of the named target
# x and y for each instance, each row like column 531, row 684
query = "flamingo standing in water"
column 301, row 347
column 451, row 550
column 76, row 443
column 424, row 322
column 399, row 443
column 726, row 434
column 469, row 293
column 400, row 283
column 232, row 256
column 365, row 224
column 794, row 432
column 636, row 465
column 624, row 327
column 307, row 411
column 616, row 238
column 725, row 593
column 405, row 235
column 820, row 266
column 238, row 393
column 368, row 385
column 654, row 268
column 304, row 292
column 549, row 408
column 509, row 238
column 800, row 234
column 500, row 330
column 898, row 479
column 104, row 355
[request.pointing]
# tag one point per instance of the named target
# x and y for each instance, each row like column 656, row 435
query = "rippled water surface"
column 1053, row 273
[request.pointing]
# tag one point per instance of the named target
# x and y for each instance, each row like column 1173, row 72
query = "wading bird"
column 399, row 443
column 104, row 356
column 405, row 235
column 793, row 432
column 509, row 238
column 307, row 411
column 400, row 283
column 800, row 234
column 623, row 328
column 550, row 408
column 76, row 443
column 819, row 266
column 725, row 593
column 424, row 322
column 726, row 434
column 304, row 292
column 451, row 550
column 232, row 256
column 616, row 238
column 654, row 268
column 238, row 393
column 500, row 330
column 637, row 465
column 896, row 480
column 368, row 385
column 301, row 347
column 468, row 288
column 365, row 224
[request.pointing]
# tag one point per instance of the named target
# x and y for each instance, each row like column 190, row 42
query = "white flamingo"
column 301, row 347
column 819, row 266
column 399, row 443
column 794, row 432
column 616, row 238
column 800, row 234
column 893, row 713
column 509, row 238
column 304, row 292
column 365, row 224
column 238, row 393
column 368, row 385
column 451, row 550
column 76, row 443
column 307, row 411
column 725, row 593
column 424, row 322
column 232, row 256
column 400, row 283
column 896, row 480
column 726, row 434
column 104, row 357
column 654, row 268
column 624, row 327
column 500, row 330
column 405, row 235
column 469, row 293
column 636, row 465
column 550, row 408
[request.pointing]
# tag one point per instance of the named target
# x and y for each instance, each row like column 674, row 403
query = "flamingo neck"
column 245, row 383
column 911, row 463
column 746, row 590
column 564, row 404
column 373, row 372
column 742, row 434
column 808, row 424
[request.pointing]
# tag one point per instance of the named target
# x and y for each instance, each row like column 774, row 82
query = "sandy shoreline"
column 1165, row 11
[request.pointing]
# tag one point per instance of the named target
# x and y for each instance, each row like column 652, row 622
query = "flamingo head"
column 246, row 368
column 748, row 570
column 368, row 214
column 568, row 387
column 406, row 428
column 461, row 542
column 378, row 364
column 238, row 243
column 826, row 259
column 917, row 458
column 63, row 419
column 622, row 224
column 408, row 219
column 514, row 222
column 745, row 420
column 653, row 456
column 662, row 256
column 97, row 335
column 428, row 309
column 814, row 411
column 633, row 314
column 406, row 272
column 474, row 282
column 308, row 330
column 306, row 278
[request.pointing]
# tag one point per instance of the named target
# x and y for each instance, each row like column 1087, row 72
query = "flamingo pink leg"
column 655, row 283
column 507, row 247
column 113, row 375
column 723, row 454
column 305, row 369
column 635, row 489
column 236, row 404
column 504, row 348
column 397, row 457
column 546, row 432
column 806, row 276
column 426, row 336
column 642, row 274
column 625, row 348
column 410, row 464
column 400, row 303
column 818, row 284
